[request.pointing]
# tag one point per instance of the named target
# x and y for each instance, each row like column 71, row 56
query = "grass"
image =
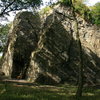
column 44, row 92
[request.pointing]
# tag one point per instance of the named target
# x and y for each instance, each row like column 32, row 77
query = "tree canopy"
column 7, row 6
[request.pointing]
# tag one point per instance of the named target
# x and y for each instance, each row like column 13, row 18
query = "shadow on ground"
column 13, row 91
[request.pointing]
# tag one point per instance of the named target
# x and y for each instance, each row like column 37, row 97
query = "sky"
column 91, row 2
column 11, row 17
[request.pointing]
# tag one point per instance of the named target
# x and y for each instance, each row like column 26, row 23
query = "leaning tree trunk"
column 80, row 79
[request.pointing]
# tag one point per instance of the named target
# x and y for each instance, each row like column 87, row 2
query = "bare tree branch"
column 4, row 10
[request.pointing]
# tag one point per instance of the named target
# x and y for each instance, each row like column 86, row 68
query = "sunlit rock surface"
column 22, row 40
column 46, row 50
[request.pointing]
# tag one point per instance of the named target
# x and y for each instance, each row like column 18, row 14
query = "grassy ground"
column 44, row 92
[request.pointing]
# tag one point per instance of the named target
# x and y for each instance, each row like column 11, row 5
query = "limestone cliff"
column 46, row 50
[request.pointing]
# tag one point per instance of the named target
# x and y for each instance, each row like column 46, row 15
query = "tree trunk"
column 80, row 78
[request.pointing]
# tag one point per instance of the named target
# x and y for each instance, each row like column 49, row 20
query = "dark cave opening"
column 18, row 68
column 21, row 57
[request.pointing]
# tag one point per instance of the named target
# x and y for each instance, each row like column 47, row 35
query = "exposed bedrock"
column 47, row 51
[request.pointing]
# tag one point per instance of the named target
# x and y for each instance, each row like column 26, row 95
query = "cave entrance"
column 19, row 67
column 21, row 56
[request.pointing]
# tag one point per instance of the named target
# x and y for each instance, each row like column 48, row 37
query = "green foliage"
column 92, row 15
column 7, row 6
column 65, row 2
column 79, row 7
column 3, row 36
column 83, row 10
column 96, row 14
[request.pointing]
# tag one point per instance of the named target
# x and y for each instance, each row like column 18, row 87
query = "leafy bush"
column 65, row 2
column 96, row 14
column 83, row 10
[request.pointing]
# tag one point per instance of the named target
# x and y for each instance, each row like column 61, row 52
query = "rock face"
column 22, row 40
column 47, row 51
